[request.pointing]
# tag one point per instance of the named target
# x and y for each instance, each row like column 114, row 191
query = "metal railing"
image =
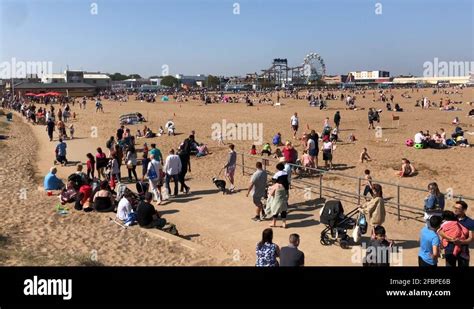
column 318, row 182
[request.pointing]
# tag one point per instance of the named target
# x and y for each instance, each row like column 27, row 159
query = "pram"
column 337, row 223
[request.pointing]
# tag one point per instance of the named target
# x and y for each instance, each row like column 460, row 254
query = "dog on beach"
column 220, row 184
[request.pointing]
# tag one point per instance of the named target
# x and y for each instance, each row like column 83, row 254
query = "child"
column 71, row 131
column 364, row 155
column 451, row 230
column 266, row 149
column 253, row 150
column 326, row 123
column 145, row 162
column 352, row 138
column 368, row 184
column 139, row 133
column 278, row 154
column 307, row 160
column 378, row 251
column 334, row 135
column 161, row 131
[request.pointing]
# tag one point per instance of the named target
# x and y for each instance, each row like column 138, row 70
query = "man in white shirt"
column 172, row 168
column 124, row 208
column 294, row 124
column 419, row 138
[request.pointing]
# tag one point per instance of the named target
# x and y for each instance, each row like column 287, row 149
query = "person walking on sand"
column 154, row 177
column 337, row 119
column 50, row 128
column 230, row 166
column 172, row 168
column 258, row 183
column 294, row 124
column 364, row 156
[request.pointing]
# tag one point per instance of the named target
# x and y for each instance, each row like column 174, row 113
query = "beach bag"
column 362, row 223
column 356, row 234
column 450, row 142
column 152, row 175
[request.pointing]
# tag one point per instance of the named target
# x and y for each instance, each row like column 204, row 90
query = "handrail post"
column 243, row 165
column 398, row 202
column 321, row 186
column 358, row 191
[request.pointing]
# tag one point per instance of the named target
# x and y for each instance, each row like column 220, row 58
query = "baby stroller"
column 337, row 223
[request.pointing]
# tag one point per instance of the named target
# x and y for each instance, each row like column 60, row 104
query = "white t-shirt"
column 123, row 209
column 311, row 144
column 327, row 145
column 419, row 138
column 294, row 120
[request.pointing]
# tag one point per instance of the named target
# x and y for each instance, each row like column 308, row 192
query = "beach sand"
column 33, row 234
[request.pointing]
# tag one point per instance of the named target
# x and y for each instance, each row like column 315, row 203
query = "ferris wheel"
column 313, row 67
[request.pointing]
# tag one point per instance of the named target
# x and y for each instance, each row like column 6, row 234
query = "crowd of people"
column 97, row 188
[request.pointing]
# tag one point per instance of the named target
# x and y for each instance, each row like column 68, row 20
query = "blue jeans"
column 175, row 179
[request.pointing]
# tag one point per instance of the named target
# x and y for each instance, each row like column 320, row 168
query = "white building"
column 358, row 75
column 97, row 79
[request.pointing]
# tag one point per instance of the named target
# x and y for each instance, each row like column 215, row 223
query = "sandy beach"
column 34, row 234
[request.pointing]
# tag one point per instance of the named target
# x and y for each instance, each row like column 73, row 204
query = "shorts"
column 257, row 200
column 295, row 127
column 327, row 156
column 313, row 152
column 230, row 171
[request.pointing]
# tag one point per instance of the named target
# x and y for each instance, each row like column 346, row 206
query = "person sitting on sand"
column 51, row 181
column 202, row 150
column 398, row 108
column 277, row 140
column 80, row 173
column 278, row 154
column 147, row 216
column 307, row 160
column 266, row 149
column 103, row 199
column 253, row 150
column 149, row 133
column 161, row 131
column 407, row 169
column 364, row 156
column 68, row 194
column 84, row 197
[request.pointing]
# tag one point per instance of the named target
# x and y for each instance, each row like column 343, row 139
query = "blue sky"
column 204, row 36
